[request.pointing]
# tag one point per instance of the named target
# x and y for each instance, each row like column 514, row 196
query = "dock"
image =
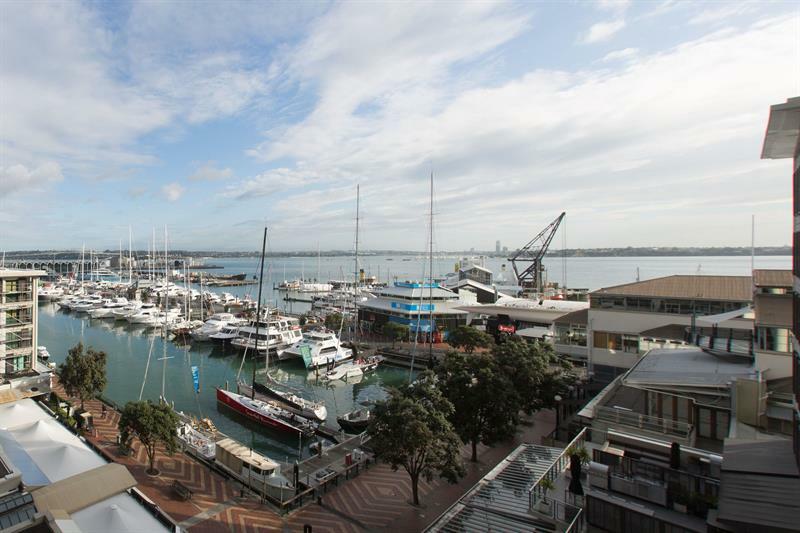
column 319, row 470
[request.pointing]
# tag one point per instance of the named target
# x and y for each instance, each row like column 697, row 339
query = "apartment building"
column 21, row 374
column 782, row 141
column 18, row 321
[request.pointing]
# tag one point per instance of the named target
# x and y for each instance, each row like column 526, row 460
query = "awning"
column 722, row 317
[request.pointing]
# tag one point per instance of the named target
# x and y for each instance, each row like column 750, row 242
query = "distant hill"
column 630, row 251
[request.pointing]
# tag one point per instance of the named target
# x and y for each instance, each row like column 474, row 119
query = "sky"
column 644, row 121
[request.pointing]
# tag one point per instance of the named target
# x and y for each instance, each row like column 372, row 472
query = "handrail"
column 646, row 422
column 558, row 466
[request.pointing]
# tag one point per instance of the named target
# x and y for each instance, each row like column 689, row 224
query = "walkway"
column 378, row 499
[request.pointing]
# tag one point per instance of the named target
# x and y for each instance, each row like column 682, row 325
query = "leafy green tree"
column 395, row 332
column 537, row 374
column 411, row 430
column 151, row 424
column 334, row 321
column 485, row 403
column 83, row 374
column 468, row 338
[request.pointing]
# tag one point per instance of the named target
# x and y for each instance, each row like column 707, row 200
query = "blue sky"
column 643, row 121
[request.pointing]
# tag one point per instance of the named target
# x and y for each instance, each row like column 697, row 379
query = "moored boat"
column 298, row 405
column 265, row 413
column 355, row 421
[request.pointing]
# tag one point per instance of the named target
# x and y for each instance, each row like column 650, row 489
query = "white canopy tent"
column 55, row 452
column 20, row 412
column 120, row 514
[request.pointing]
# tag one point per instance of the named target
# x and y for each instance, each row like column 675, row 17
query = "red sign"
column 506, row 329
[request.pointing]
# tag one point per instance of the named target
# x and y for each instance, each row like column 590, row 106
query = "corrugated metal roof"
column 772, row 278
column 576, row 317
column 724, row 288
column 760, row 457
column 500, row 501
column 686, row 368
column 760, row 500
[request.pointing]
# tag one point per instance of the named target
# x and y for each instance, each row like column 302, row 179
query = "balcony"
column 670, row 430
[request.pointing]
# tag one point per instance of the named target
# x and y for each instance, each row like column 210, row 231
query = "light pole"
column 558, row 399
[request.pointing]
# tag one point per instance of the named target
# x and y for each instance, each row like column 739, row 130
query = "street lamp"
column 558, row 399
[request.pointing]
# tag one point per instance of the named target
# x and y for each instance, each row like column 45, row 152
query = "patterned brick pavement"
column 377, row 499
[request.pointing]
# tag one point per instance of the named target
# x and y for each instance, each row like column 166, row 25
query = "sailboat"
column 264, row 412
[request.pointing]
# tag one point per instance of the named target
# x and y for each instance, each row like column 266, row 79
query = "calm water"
column 128, row 346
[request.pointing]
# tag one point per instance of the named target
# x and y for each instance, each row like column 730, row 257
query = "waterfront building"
column 22, row 374
column 625, row 321
column 782, row 141
column 527, row 318
column 413, row 305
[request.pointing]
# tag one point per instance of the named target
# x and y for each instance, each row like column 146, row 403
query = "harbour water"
column 128, row 346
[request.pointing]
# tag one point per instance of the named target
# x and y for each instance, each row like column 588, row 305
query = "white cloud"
column 613, row 5
column 621, row 55
column 602, row 31
column 498, row 152
column 209, row 172
column 173, row 191
column 19, row 177
column 722, row 12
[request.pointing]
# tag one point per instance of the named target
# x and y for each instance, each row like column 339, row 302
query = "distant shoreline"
column 577, row 252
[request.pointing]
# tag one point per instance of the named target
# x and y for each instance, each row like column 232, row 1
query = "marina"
column 127, row 346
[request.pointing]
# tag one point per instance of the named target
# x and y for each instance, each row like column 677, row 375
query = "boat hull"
column 229, row 400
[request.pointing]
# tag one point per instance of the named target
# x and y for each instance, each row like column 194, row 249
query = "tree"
column 486, row 408
column 468, row 338
column 395, row 332
column 334, row 321
column 411, row 430
column 151, row 424
column 83, row 375
column 538, row 375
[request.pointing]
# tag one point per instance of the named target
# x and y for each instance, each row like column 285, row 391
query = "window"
column 601, row 340
column 630, row 343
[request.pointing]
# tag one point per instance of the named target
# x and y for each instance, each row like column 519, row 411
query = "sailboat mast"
column 430, row 277
column 130, row 256
column 258, row 316
column 166, row 324
column 356, row 280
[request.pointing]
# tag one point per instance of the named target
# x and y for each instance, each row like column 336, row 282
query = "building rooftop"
column 718, row 288
column 579, row 317
column 20, row 273
column 760, row 485
column 500, row 501
column 245, row 454
column 783, row 130
column 687, row 368
column 417, row 291
column 773, row 278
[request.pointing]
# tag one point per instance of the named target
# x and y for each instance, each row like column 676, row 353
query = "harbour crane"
column 527, row 262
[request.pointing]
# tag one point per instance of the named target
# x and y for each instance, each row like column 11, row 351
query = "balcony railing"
column 536, row 493
column 653, row 424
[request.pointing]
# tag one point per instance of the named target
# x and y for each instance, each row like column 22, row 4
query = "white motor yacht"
column 226, row 334
column 143, row 315
column 318, row 348
column 107, row 311
column 214, row 324
column 50, row 292
column 85, row 305
column 65, row 302
column 131, row 309
column 345, row 371
column 276, row 333
column 171, row 318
